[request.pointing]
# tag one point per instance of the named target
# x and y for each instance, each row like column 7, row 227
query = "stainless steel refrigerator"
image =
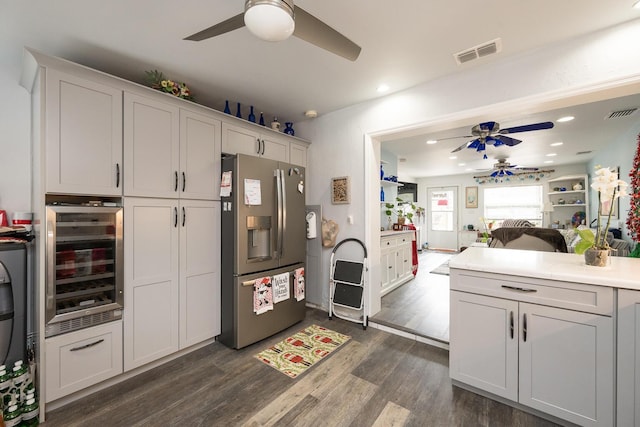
column 263, row 236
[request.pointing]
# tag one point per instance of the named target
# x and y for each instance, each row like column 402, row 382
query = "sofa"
column 529, row 238
column 619, row 247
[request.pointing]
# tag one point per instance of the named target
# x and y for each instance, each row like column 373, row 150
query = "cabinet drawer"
column 81, row 359
column 405, row 239
column 572, row 296
column 388, row 242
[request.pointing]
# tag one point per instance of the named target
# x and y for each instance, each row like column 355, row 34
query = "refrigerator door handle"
column 278, row 211
column 283, row 229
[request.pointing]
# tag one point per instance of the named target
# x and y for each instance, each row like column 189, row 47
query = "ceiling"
column 403, row 45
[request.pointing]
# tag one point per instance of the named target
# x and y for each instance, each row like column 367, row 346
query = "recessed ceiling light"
column 548, row 161
column 557, row 144
column 383, row 88
column 432, row 141
column 565, row 119
column 551, row 155
column 453, row 157
column 468, row 170
column 461, row 164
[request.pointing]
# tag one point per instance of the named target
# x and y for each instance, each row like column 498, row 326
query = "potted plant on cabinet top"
column 595, row 247
column 403, row 210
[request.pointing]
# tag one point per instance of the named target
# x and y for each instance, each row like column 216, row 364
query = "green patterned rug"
column 294, row 355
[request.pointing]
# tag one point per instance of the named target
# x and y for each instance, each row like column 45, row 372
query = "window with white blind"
column 519, row 202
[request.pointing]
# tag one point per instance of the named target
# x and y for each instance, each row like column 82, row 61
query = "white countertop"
column 387, row 233
column 621, row 272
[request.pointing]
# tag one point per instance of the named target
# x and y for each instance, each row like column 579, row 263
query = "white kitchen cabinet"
column 245, row 140
column 170, row 151
column 199, row 156
column 80, row 359
column 83, row 141
column 628, row 405
column 536, row 343
column 298, row 153
column 199, row 271
column 172, row 277
column 396, row 260
column 151, row 147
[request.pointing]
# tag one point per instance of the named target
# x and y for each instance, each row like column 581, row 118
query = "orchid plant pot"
column 596, row 257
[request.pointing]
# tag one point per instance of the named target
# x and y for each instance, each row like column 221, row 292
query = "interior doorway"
column 442, row 218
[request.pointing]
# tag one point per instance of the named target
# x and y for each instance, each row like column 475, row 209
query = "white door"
column 151, row 147
column 84, row 136
column 199, row 156
column 483, row 349
column 566, row 364
column 151, row 280
column 199, row 271
column 442, row 218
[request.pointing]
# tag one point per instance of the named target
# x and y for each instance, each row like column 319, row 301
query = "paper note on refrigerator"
column 280, row 287
column 225, row 184
column 298, row 283
column 252, row 193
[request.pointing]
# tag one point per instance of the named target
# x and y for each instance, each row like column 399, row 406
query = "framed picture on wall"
column 340, row 190
column 471, row 197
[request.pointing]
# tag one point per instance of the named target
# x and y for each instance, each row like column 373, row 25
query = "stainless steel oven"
column 84, row 285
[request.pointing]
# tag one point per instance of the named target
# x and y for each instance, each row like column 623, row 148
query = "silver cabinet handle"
column 175, row 186
column 515, row 288
column 524, row 327
column 184, row 181
column 117, row 175
column 82, row 347
column 175, row 219
column 258, row 146
column 184, row 216
column 511, row 323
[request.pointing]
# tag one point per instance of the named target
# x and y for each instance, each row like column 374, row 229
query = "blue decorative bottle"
column 262, row 119
column 226, row 107
column 239, row 112
column 381, row 194
column 288, row 129
column 381, row 173
column 252, row 117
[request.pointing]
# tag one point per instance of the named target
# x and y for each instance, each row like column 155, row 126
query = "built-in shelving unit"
column 568, row 195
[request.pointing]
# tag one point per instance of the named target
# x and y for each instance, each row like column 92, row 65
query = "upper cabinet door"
column 275, row 147
column 239, row 140
column 199, row 156
column 151, row 147
column 83, row 136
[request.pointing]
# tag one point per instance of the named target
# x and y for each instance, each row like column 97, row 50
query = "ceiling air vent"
column 583, row 152
column 621, row 113
column 484, row 49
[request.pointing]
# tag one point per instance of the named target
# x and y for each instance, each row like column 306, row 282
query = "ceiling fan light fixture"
column 270, row 20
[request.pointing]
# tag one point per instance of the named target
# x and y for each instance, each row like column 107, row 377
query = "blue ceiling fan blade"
column 509, row 173
column 507, row 140
column 474, row 144
column 481, row 146
column 526, row 128
column 493, row 175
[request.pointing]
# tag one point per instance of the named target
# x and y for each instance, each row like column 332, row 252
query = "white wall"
column 15, row 151
column 584, row 69
column 619, row 153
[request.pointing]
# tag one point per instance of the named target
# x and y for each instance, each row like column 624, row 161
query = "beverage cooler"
column 84, row 266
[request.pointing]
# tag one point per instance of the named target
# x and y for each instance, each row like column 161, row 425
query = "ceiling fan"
column 276, row 20
column 504, row 168
column 489, row 133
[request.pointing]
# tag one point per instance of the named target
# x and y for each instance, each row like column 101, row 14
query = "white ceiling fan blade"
column 314, row 31
column 223, row 27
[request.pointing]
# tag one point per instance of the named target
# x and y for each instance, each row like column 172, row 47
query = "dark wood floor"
column 420, row 306
column 376, row 379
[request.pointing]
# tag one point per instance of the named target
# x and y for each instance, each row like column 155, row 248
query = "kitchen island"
column 541, row 331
